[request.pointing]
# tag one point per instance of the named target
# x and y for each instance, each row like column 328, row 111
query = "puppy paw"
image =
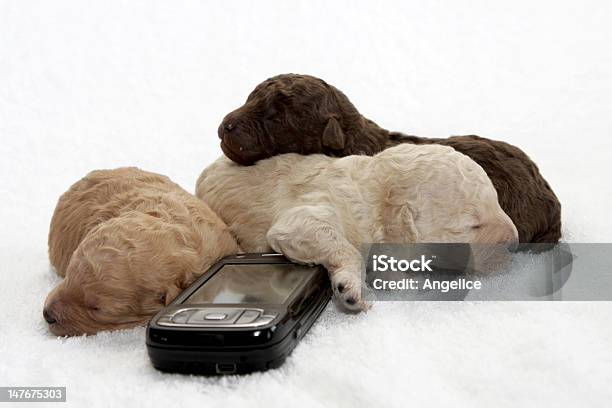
column 346, row 285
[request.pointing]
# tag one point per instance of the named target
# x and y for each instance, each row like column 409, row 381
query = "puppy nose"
column 510, row 239
column 226, row 127
column 513, row 245
column 48, row 315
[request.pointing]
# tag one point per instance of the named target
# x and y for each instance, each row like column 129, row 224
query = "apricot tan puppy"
column 318, row 209
column 127, row 242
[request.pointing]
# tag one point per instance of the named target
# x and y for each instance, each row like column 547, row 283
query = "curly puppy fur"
column 303, row 114
column 127, row 242
column 317, row 209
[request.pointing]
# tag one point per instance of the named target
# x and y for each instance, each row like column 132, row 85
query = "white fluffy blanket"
column 146, row 83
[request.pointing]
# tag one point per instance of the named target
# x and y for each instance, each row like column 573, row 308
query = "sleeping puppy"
column 317, row 209
column 127, row 242
column 303, row 114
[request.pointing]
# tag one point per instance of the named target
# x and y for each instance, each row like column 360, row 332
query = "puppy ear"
column 399, row 225
column 333, row 137
column 172, row 292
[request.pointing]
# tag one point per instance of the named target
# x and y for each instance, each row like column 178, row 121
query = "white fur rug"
column 146, row 83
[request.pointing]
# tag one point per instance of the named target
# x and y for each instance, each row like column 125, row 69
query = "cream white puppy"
column 318, row 209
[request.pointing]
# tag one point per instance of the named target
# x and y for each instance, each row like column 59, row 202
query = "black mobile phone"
column 246, row 313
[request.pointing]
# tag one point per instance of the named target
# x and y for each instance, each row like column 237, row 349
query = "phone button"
column 248, row 316
column 265, row 319
column 297, row 331
column 181, row 317
column 215, row 316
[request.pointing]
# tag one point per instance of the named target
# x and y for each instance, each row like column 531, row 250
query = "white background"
column 146, row 83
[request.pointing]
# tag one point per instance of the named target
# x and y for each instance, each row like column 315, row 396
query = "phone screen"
column 252, row 283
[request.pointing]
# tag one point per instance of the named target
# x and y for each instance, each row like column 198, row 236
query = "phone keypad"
column 209, row 317
column 214, row 316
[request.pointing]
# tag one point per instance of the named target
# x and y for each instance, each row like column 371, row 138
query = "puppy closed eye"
column 476, row 222
column 272, row 114
column 91, row 305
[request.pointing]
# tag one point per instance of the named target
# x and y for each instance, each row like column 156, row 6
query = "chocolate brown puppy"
column 302, row 114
